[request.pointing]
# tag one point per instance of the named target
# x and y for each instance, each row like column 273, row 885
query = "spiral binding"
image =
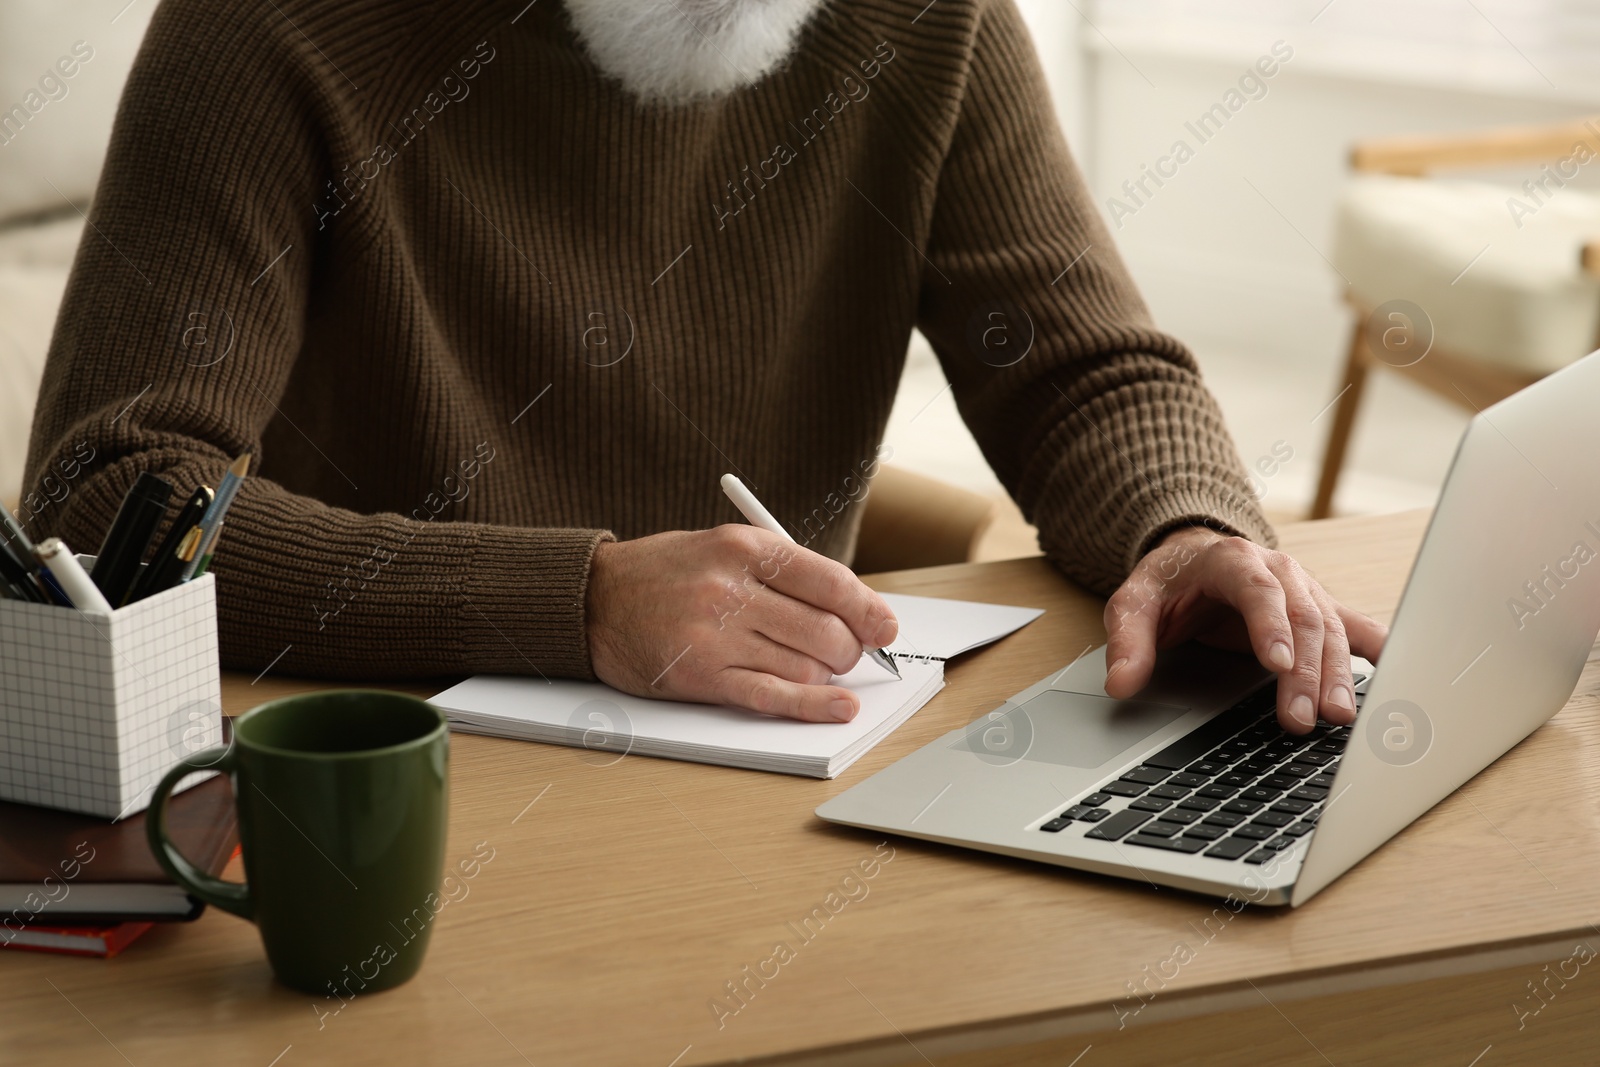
column 911, row 658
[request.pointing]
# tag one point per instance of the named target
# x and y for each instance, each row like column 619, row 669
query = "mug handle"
column 233, row 897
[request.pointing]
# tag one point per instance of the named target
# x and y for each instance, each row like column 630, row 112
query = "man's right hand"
column 733, row 615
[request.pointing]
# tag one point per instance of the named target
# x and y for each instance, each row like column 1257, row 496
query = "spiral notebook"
column 611, row 724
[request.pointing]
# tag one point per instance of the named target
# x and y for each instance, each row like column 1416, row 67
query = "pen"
column 226, row 491
column 18, row 576
column 53, row 593
column 56, row 558
column 211, row 550
column 21, row 549
column 117, row 565
column 166, row 565
column 757, row 515
column 190, row 547
column 14, row 534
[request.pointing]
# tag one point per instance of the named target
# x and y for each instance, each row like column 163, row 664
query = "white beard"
column 681, row 51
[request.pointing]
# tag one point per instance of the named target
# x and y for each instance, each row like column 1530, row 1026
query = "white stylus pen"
column 757, row 515
column 69, row 574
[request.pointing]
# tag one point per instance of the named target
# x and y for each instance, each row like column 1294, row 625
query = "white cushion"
column 34, row 261
column 64, row 141
column 1525, row 302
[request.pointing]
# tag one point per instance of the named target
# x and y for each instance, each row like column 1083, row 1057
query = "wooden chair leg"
column 1344, row 419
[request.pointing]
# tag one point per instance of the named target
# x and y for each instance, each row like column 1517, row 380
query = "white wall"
column 1056, row 27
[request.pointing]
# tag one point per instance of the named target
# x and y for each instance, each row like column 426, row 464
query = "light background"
column 1237, row 272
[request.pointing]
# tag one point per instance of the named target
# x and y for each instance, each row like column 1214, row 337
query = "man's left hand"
column 1232, row 593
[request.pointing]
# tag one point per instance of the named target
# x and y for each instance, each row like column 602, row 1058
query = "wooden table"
column 622, row 899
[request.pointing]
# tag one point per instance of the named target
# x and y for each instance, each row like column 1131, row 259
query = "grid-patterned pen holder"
column 95, row 709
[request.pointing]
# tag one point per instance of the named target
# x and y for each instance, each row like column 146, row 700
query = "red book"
column 102, row 941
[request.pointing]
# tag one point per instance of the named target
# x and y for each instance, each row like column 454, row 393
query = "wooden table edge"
column 1179, row 1005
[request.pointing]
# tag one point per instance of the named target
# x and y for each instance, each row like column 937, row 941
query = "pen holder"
column 94, row 709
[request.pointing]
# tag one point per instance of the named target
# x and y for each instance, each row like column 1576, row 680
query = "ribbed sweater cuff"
column 524, row 605
column 1098, row 546
column 1213, row 504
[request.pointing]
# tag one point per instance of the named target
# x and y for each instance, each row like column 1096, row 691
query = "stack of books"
column 86, row 886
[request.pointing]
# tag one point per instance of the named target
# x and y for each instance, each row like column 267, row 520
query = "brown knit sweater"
column 472, row 307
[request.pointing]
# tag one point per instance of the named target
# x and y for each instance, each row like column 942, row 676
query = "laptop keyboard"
column 1235, row 788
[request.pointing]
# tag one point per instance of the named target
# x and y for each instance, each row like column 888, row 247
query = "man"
column 496, row 291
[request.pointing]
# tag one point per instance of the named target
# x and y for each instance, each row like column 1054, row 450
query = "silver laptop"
column 1192, row 784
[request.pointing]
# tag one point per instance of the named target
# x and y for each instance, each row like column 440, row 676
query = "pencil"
column 211, row 550
column 218, row 510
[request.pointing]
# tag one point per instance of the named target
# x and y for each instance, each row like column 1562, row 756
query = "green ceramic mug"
column 342, row 818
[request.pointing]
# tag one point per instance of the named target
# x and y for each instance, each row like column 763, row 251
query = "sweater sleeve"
column 202, row 231
column 1096, row 423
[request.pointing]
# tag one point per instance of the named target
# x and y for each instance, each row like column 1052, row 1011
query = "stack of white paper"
column 612, row 724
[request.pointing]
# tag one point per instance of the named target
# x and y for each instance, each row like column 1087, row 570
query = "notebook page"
column 931, row 626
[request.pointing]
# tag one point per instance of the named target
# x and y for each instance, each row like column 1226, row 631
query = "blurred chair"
column 1471, row 290
column 914, row 521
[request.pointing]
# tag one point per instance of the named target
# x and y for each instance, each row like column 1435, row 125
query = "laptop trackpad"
column 1069, row 729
